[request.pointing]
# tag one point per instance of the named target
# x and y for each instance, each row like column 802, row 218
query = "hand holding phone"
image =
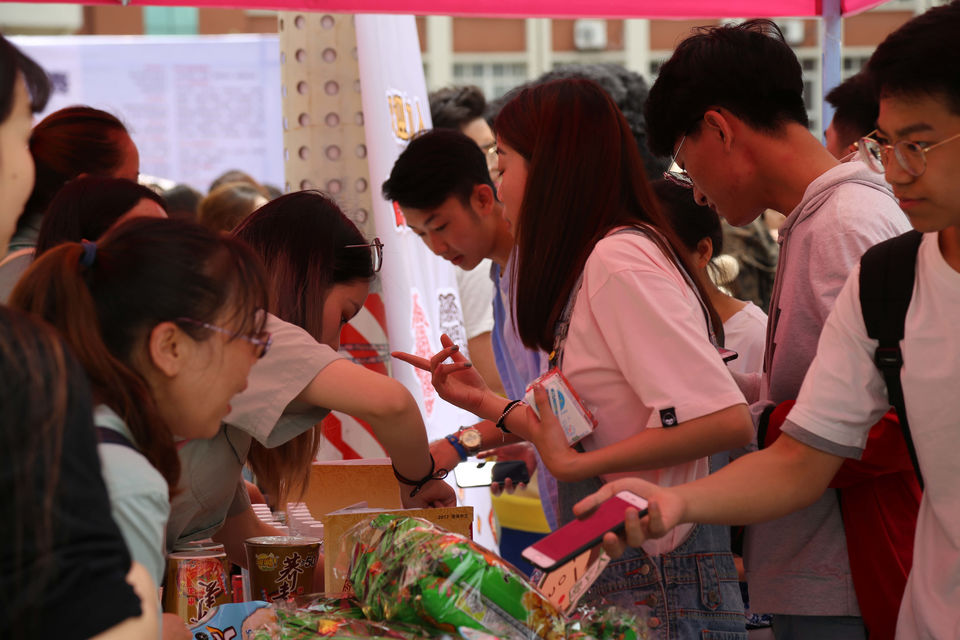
column 573, row 538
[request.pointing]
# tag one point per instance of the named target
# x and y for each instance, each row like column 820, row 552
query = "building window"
column 170, row 20
column 493, row 78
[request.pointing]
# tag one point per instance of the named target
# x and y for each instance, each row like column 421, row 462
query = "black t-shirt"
column 83, row 590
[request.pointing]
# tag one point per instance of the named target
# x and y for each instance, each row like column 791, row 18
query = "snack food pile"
column 413, row 581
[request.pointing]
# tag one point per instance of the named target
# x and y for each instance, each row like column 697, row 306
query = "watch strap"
column 455, row 442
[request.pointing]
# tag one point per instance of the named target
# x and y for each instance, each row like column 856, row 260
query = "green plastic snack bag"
column 408, row 570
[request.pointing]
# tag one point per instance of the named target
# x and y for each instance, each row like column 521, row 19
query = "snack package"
column 336, row 616
column 407, row 570
column 606, row 624
column 574, row 417
column 237, row 620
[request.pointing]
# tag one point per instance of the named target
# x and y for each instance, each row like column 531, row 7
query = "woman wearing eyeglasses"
column 321, row 269
column 166, row 319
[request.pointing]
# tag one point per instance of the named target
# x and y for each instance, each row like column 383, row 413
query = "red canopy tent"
column 543, row 8
column 829, row 10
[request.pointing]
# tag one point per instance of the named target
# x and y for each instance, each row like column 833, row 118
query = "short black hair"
column 691, row 221
column 746, row 68
column 921, row 57
column 456, row 107
column 856, row 108
column 435, row 165
column 14, row 63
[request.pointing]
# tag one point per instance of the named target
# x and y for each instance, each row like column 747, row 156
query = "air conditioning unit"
column 794, row 30
column 590, row 35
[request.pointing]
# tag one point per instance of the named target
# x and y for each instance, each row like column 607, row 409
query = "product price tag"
column 565, row 585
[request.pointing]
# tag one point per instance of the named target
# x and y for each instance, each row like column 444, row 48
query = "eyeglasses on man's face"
column 674, row 173
column 911, row 156
column 261, row 341
column 377, row 247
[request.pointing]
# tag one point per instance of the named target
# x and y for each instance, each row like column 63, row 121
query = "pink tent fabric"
column 538, row 8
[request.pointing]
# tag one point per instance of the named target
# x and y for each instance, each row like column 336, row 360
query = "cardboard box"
column 335, row 524
column 337, row 484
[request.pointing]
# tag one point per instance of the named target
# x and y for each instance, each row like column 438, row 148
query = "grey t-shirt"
column 210, row 486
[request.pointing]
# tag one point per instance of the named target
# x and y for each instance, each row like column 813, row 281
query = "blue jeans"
column 690, row 592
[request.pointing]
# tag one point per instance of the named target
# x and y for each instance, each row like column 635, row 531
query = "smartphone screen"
column 474, row 473
column 573, row 538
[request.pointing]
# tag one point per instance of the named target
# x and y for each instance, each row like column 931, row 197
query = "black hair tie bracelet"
column 435, row 474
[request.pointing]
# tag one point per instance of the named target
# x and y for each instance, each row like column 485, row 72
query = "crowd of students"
column 144, row 361
column 597, row 283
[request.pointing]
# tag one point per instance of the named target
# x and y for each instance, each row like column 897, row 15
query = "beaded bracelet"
column 435, row 474
column 502, row 420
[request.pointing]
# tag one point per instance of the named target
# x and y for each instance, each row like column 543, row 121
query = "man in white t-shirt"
column 914, row 72
column 728, row 107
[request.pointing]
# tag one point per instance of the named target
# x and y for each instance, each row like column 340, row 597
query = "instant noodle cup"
column 199, row 545
column 197, row 582
column 281, row 566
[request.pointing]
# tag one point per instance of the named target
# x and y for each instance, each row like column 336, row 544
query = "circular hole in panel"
column 329, row 55
column 304, row 153
column 286, row 155
column 283, row 91
column 333, row 152
column 360, row 216
column 299, row 22
column 286, row 125
column 286, row 187
column 306, row 184
column 302, row 87
column 304, row 119
column 358, row 118
column 360, row 185
column 334, row 186
column 301, row 55
column 332, row 119
column 327, row 22
column 283, row 57
column 280, row 24
column 331, row 87
column 361, row 151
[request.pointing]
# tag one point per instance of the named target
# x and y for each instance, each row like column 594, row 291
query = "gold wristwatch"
column 466, row 442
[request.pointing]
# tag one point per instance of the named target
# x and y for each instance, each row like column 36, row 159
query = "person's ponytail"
column 56, row 288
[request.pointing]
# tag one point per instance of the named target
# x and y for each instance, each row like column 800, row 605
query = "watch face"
column 471, row 440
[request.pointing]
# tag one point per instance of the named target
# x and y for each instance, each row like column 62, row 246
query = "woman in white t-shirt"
column 600, row 286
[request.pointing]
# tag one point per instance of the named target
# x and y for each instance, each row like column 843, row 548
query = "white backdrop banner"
column 419, row 288
column 195, row 106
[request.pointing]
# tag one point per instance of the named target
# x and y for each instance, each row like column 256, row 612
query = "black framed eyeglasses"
column 377, row 248
column 261, row 341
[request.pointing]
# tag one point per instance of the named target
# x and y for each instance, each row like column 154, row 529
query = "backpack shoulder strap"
column 106, row 435
column 887, row 275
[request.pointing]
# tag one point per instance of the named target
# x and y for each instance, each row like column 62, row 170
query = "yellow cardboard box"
column 336, row 484
column 336, row 551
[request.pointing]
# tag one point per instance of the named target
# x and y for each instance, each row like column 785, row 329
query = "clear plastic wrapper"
column 415, row 581
column 408, row 570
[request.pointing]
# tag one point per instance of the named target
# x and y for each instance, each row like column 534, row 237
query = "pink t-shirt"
column 639, row 356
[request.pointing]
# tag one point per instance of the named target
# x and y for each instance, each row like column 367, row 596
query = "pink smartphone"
column 728, row 355
column 574, row 538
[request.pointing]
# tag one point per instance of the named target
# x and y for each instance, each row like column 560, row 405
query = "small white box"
column 576, row 420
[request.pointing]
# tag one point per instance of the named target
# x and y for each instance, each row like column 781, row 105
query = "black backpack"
column 887, row 274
